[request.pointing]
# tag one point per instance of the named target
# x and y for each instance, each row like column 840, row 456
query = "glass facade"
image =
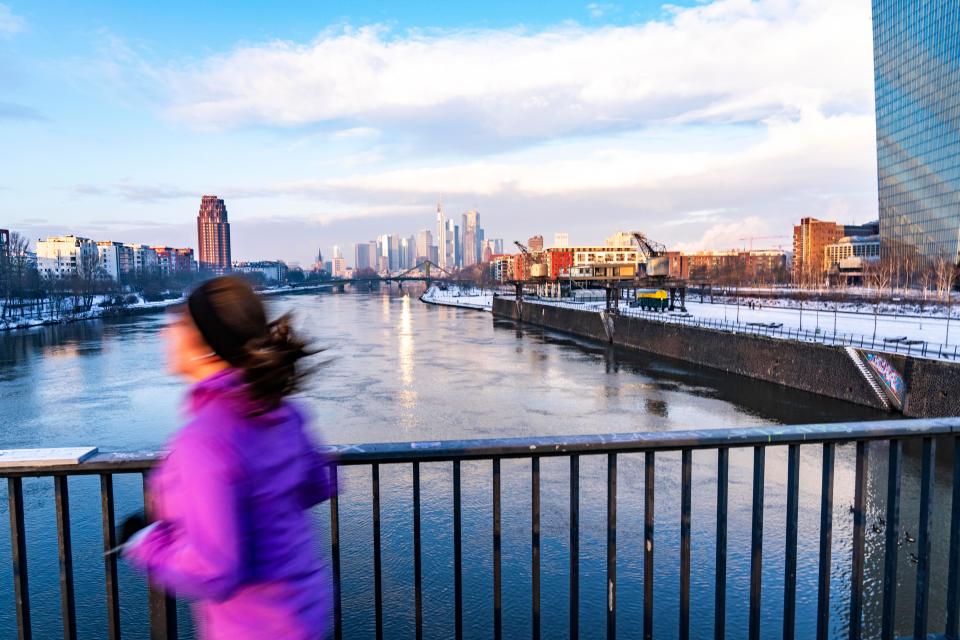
column 916, row 45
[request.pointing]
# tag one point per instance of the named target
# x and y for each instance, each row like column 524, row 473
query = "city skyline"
column 696, row 153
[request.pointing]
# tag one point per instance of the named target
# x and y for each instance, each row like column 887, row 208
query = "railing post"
column 377, row 556
column 720, row 579
column 457, row 554
column 826, row 543
column 497, row 605
column 756, row 542
column 859, row 530
column 110, row 561
column 535, row 545
column 648, row 532
column 335, row 552
column 18, row 545
column 417, row 564
column 163, row 608
column 611, row 546
column 790, row 549
column 574, row 547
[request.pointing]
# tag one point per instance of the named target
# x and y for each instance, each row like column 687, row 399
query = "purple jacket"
column 233, row 534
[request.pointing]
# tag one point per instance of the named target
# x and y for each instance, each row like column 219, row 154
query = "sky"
column 702, row 123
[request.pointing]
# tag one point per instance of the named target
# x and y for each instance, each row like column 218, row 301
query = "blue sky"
column 328, row 123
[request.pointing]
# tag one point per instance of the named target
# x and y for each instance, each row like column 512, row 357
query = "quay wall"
column 933, row 386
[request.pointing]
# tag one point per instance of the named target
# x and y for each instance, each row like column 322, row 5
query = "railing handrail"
column 526, row 447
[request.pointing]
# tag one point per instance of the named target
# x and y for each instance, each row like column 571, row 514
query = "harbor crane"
column 538, row 268
column 656, row 262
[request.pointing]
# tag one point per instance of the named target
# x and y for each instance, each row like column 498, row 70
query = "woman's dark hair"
column 233, row 321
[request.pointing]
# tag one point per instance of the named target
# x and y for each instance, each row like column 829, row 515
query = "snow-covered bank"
column 930, row 337
column 134, row 308
column 453, row 296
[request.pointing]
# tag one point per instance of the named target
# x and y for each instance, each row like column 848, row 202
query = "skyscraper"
column 917, row 88
column 535, row 243
column 361, row 256
column 452, row 244
column 561, row 240
column 213, row 235
column 471, row 234
column 424, row 241
column 442, row 240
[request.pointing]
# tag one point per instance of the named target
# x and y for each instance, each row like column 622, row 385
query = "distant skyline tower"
column 442, row 239
column 917, row 89
column 213, row 235
column 561, row 240
column 472, row 236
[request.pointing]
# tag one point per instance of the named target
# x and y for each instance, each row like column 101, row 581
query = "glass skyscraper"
column 916, row 48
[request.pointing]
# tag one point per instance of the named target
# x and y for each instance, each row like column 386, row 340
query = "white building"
column 339, row 264
column 144, row 259
column 116, row 259
column 273, row 271
column 561, row 240
column 620, row 239
column 63, row 256
column 604, row 255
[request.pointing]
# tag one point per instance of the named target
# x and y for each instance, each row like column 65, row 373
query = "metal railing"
column 759, row 439
column 918, row 348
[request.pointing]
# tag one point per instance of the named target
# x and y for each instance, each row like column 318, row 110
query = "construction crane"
column 537, row 267
column 656, row 262
column 752, row 238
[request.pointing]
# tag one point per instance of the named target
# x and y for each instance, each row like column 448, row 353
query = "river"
column 395, row 369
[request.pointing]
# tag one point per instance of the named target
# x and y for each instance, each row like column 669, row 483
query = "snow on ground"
column 453, row 296
column 842, row 327
column 927, row 329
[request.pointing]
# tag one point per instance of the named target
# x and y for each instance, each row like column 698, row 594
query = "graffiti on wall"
column 889, row 376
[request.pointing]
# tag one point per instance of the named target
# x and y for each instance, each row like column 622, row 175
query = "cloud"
column 14, row 111
column 10, row 24
column 724, row 61
column 143, row 193
column 598, row 10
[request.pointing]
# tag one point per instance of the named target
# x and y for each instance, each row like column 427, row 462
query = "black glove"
column 130, row 526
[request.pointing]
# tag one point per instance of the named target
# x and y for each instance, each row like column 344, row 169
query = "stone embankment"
column 931, row 387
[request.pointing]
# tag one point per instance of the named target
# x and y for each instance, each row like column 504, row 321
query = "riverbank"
column 132, row 309
column 808, row 366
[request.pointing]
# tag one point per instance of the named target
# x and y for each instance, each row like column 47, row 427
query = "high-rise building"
column 213, row 235
column 452, row 246
column 535, row 243
column 361, row 256
column 811, row 237
column 444, row 259
column 339, row 266
column 471, row 235
column 561, row 240
column 916, row 46
column 424, row 242
column 4, row 242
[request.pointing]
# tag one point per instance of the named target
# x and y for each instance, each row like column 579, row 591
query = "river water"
column 398, row 370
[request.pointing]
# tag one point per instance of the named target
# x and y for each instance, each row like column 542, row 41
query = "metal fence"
column 759, row 439
column 922, row 349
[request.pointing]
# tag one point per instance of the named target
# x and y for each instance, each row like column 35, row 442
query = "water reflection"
column 401, row 370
